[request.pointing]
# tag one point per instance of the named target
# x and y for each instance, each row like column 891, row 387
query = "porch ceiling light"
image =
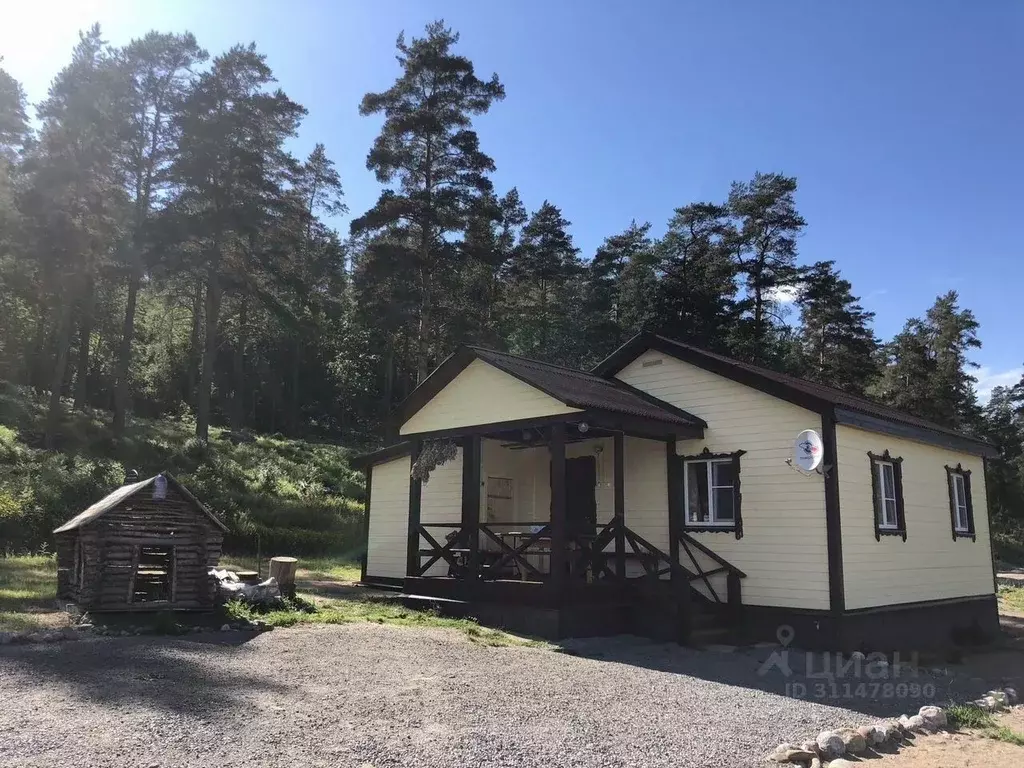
column 583, row 427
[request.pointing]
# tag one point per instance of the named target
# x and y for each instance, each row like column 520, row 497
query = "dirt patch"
column 962, row 750
column 955, row 750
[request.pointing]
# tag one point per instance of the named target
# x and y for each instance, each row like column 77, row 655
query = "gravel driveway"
column 388, row 696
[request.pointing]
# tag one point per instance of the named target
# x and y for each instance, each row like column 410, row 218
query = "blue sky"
column 902, row 121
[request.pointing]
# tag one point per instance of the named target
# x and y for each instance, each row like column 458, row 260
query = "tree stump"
column 283, row 569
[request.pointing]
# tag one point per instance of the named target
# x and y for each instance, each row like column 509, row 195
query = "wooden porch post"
column 471, row 500
column 556, row 447
column 619, row 479
column 680, row 583
column 412, row 564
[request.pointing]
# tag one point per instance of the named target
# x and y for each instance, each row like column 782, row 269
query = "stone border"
column 831, row 746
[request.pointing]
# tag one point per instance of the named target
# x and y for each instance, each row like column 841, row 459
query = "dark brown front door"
column 580, row 502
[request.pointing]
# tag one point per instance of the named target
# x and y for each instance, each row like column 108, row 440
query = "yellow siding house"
column 657, row 494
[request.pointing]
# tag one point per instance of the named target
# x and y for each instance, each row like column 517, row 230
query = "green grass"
column 969, row 716
column 313, row 610
column 1002, row 733
column 1012, row 598
column 28, row 588
column 328, row 569
column 339, row 569
column 278, row 495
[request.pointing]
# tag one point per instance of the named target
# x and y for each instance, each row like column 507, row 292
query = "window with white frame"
column 710, row 491
column 887, row 495
column 886, row 482
column 961, row 509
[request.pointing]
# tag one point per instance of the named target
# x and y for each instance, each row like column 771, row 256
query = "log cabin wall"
column 143, row 555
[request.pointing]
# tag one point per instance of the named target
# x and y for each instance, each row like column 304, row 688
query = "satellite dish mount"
column 808, row 453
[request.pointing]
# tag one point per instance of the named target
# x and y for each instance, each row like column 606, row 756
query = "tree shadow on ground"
column 871, row 689
column 191, row 675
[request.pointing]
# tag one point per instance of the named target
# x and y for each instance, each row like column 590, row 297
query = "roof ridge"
column 828, row 388
column 773, row 372
column 591, row 374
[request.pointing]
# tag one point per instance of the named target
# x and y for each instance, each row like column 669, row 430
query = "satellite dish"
column 808, row 450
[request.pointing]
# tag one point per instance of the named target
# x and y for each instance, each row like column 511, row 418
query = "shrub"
column 290, row 495
column 968, row 716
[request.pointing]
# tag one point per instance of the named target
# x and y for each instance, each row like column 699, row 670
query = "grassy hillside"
column 292, row 495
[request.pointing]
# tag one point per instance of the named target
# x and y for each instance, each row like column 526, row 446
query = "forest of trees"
column 163, row 254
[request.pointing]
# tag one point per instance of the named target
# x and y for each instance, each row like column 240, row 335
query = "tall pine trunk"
column 238, row 400
column 54, row 411
column 423, row 333
column 387, row 391
column 37, row 371
column 84, row 337
column 213, row 297
column 293, row 408
column 124, row 353
column 195, row 344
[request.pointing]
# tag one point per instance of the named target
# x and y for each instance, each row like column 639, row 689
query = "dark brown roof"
column 114, row 498
column 809, row 394
column 581, row 389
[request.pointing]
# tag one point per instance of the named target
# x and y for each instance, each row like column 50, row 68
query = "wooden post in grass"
column 283, row 569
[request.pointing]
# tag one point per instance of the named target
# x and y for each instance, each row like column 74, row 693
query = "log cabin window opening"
column 153, row 577
column 887, row 495
column 961, row 507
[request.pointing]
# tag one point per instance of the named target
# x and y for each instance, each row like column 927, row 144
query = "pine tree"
column 618, row 291
column 954, row 333
column 318, row 266
column 1003, row 426
column 695, row 300
column 157, row 73
column 836, row 344
column 545, row 289
column 926, row 366
column 233, row 167
column 13, row 118
column 13, row 134
column 764, row 246
column 14, row 273
column 76, row 199
column 490, row 243
column 427, row 147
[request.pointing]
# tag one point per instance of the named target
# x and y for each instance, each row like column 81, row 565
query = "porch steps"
column 707, row 628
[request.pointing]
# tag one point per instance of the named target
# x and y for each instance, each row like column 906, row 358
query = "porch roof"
column 569, row 393
column 581, row 389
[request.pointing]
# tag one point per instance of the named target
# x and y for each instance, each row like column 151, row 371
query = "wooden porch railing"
column 462, row 550
column 732, row 573
column 588, row 556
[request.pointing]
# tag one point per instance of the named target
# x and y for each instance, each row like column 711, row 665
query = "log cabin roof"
column 119, row 495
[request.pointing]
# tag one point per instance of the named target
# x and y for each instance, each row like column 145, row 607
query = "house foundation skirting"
column 925, row 626
column 597, row 609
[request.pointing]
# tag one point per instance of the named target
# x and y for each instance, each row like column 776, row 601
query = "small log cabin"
column 567, row 502
column 148, row 546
